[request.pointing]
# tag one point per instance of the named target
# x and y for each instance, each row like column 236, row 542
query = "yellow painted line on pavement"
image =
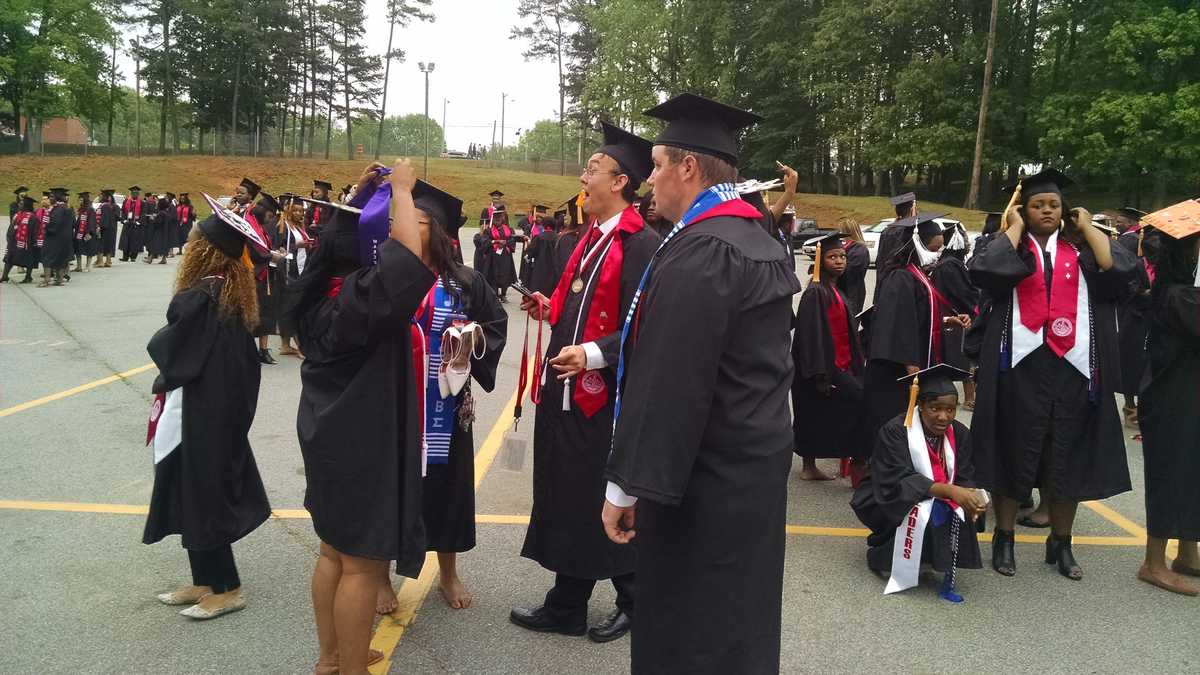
column 501, row 519
column 76, row 507
column 1108, row 513
column 75, row 390
column 412, row 594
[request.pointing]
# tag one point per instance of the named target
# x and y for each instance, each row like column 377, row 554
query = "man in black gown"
column 58, row 248
column 1132, row 313
column 573, row 429
column 703, row 437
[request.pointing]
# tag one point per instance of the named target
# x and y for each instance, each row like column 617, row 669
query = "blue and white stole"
column 713, row 196
column 440, row 413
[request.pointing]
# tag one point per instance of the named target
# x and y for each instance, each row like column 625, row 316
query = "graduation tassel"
column 947, row 591
column 1141, row 236
column 912, row 400
column 817, row 266
column 579, row 209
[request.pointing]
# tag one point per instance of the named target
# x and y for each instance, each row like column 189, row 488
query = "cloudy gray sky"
column 475, row 62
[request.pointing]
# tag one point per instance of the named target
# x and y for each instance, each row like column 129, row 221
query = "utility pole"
column 503, row 98
column 137, row 66
column 977, row 164
column 422, row 65
column 445, row 145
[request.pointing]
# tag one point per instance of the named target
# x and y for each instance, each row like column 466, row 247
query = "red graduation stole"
column 81, row 228
column 43, row 218
column 22, row 229
column 940, row 472
column 936, row 302
column 604, row 311
column 1054, row 314
column 500, row 236
column 839, row 328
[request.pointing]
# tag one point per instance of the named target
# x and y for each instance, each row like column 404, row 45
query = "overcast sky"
column 475, row 61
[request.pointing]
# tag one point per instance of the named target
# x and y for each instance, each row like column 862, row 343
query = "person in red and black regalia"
column 21, row 251
column 109, row 215
column 573, row 429
column 185, row 218
column 87, row 232
column 265, row 261
column 41, row 219
column 1045, row 411
column 131, row 230
column 317, row 215
column 703, row 437
column 827, row 388
column 60, row 235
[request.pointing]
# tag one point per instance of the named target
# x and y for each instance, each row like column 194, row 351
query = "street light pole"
column 503, row 98
column 426, row 69
column 445, row 145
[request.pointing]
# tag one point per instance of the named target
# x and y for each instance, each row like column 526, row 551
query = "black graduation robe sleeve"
column 181, row 348
column 899, row 322
column 484, row 308
column 895, row 484
column 813, row 342
column 638, row 250
column 1181, row 309
column 1113, row 283
column 692, row 297
column 952, row 279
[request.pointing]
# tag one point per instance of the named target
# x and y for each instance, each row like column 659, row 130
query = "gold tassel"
column 912, row 400
column 1141, row 236
column 817, row 267
column 579, row 208
column 246, row 259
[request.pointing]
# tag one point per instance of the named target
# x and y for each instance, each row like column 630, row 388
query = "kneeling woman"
column 359, row 421
column 1045, row 412
column 206, row 484
column 921, row 487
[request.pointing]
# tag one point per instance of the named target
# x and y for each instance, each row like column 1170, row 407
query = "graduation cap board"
column 20, row 190
column 822, row 244
column 235, row 221
column 445, row 208
column 1178, row 220
column 752, row 185
column 900, row 200
column 631, row 152
column 936, row 380
column 496, row 193
column 1132, row 213
column 702, row 125
column 323, row 185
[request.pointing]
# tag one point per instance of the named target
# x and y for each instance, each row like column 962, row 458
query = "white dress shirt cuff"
column 595, row 357
column 617, row 497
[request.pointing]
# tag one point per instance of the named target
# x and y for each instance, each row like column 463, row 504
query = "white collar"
column 608, row 225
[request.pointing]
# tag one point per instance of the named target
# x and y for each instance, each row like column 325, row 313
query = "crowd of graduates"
column 681, row 374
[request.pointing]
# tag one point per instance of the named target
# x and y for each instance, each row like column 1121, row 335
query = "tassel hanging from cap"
column 1141, row 236
column 912, row 400
column 817, row 266
column 579, row 208
column 246, row 259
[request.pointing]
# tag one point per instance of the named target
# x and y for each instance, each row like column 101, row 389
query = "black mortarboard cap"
column 250, row 186
column 631, row 152
column 84, row 194
column 540, row 207
column 922, row 218
column 324, row 185
column 45, row 193
column 1130, row 212
column 702, row 125
column 20, row 190
column 225, row 237
column 268, row 202
column 1046, row 180
column 59, row 192
column 135, row 189
column 445, row 208
column 828, row 241
column 27, row 203
column 906, row 198
column 496, row 193
column 937, row 380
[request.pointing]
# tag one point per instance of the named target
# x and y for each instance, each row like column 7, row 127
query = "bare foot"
column 214, row 601
column 455, row 592
column 813, row 473
column 325, row 668
column 385, row 599
column 1166, row 580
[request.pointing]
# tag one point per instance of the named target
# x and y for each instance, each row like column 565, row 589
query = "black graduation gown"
column 60, row 235
column 1167, row 411
column 823, row 426
column 358, row 418
column 448, row 491
column 269, row 291
column 480, row 253
column 704, row 441
column 183, row 226
column 497, row 266
column 26, row 257
column 951, row 278
column 108, row 228
column 161, row 233
column 891, row 240
column 89, row 244
column 893, row 486
column 131, row 240
column 10, row 241
column 853, row 283
column 1132, row 322
column 565, row 534
column 556, row 252
column 1043, row 402
column 529, row 253
column 900, row 336
column 208, row 489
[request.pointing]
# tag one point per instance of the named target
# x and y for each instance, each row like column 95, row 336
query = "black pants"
column 569, row 597
column 215, row 568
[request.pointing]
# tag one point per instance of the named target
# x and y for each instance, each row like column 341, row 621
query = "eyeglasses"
column 591, row 172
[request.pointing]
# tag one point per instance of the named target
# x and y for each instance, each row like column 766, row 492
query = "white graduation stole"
column 1025, row 341
column 168, row 432
column 910, row 535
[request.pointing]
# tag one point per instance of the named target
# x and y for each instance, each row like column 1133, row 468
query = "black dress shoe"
column 542, row 621
column 264, row 355
column 612, row 628
column 1058, row 552
column 1003, row 559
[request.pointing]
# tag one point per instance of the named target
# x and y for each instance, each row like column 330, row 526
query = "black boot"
column 264, row 355
column 1058, row 552
column 1003, row 559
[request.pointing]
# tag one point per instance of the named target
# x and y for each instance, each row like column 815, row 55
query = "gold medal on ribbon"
column 577, row 285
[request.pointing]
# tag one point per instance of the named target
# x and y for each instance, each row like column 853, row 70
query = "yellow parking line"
column 74, row 390
column 1108, row 513
column 412, row 594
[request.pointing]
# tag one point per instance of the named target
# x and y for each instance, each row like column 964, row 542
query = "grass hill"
column 467, row 179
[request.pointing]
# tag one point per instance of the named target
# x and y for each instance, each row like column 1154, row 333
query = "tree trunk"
column 387, row 70
column 346, row 95
column 112, row 93
column 230, row 148
column 166, row 94
column 1160, row 190
column 562, row 103
column 981, row 129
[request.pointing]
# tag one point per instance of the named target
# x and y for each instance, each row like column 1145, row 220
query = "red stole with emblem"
column 604, row 310
column 21, row 223
column 1054, row 313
